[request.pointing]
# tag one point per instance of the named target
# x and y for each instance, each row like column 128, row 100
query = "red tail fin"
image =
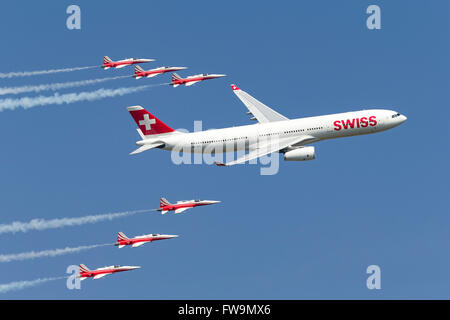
column 121, row 236
column 163, row 202
column 138, row 69
column 147, row 122
column 106, row 59
column 83, row 268
column 175, row 76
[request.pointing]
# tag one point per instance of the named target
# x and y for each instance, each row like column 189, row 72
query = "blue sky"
column 309, row 231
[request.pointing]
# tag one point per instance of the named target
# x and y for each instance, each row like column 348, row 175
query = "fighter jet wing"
column 101, row 275
column 260, row 111
column 180, row 210
column 191, row 83
column 271, row 146
column 137, row 244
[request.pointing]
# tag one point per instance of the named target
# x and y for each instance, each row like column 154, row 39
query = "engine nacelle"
column 300, row 154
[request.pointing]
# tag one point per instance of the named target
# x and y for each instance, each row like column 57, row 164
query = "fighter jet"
column 108, row 63
column 123, row 240
column 140, row 73
column 101, row 272
column 180, row 206
column 189, row 81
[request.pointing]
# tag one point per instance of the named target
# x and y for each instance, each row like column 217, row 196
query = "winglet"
column 234, row 87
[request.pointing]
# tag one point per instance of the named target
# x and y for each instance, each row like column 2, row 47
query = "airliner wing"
column 260, row 111
column 272, row 145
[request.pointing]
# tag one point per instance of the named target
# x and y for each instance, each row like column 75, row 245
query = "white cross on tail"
column 147, row 122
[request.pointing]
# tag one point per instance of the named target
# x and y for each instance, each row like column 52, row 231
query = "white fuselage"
column 319, row 128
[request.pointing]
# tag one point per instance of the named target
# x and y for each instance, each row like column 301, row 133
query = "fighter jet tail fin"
column 164, row 202
column 175, row 76
column 138, row 69
column 83, row 268
column 107, row 59
column 121, row 236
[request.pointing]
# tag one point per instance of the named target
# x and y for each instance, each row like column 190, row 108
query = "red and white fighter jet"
column 140, row 73
column 108, row 63
column 180, row 206
column 123, row 240
column 189, row 81
column 101, row 272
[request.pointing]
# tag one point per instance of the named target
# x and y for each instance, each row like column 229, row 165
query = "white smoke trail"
column 20, row 285
column 41, row 224
column 55, row 86
column 30, row 102
column 40, row 72
column 47, row 253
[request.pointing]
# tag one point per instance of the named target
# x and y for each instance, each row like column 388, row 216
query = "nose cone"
column 399, row 120
column 134, row 267
column 213, row 201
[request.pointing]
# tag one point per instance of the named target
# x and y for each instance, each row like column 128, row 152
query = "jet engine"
column 300, row 154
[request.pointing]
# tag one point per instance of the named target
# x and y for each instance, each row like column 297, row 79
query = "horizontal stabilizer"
column 146, row 147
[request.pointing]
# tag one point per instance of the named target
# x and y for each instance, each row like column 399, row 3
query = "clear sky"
column 309, row 231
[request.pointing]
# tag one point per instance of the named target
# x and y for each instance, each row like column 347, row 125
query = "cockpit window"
column 395, row 115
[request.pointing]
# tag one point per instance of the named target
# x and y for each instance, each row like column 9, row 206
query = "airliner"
column 273, row 132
